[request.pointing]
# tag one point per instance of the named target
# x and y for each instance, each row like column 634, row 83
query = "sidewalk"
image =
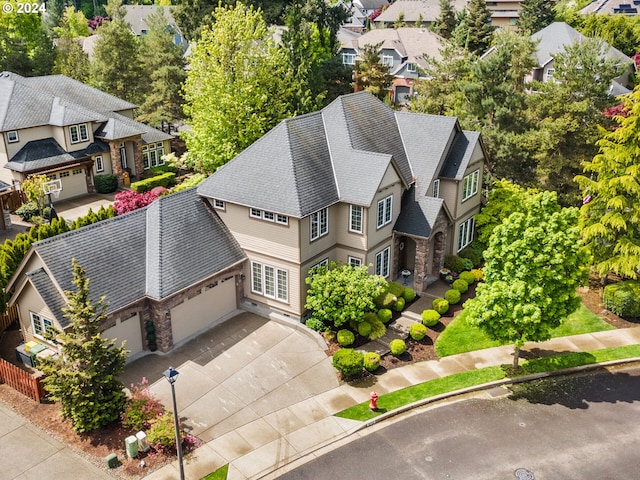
column 267, row 446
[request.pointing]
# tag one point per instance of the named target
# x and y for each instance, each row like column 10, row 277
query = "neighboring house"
column 608, row 7
column 403, row 50
column 355, row 182
column 65, row 129
column 414, row 13
column 554, row 38
column 173, row 263
column 357, row 21
column 505, row 13
column 137, row 15
column 367, row 7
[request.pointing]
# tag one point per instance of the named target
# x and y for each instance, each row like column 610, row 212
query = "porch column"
column 420, row 272
column 439, row 246
column 161, row 317
column 137, row 157
column 395, row 267
column 89, row 179
column 116, row 163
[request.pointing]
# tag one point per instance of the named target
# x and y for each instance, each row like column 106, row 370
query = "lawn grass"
column 460, row 337
column 458, row 381
column 220, row 474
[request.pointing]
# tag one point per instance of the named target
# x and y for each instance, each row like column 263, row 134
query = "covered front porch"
column 418, row 260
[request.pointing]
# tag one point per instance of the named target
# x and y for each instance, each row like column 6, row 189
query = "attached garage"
column 128, row 330
column 74, row 184
column 203, row 310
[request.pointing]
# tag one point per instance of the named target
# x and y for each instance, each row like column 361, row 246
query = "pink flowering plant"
column 128, row 201
column 141, row 409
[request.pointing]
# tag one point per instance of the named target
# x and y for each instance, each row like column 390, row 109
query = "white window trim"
column 99, row 164
column 322, row 263
column 386, row 207
column 411, row 67
column 255, row 213
column 152, row 154
column 348, row 58
column 470, row 185
column 322, row 227
column 41, row 323
column 352, row 210
column 387, row 60
column 380, row 266
column 79, row 133
column 218, row 204
column 436, row 188
column 466, row 232
column 549, row 74
column 282, row 219
column 16, row 139
column 354, row 261
column 280, row 294
column 268, row 216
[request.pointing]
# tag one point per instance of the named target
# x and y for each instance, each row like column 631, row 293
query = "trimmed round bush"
column 460, row 285
column 418, row 331
column 399, row 305
column 348, row 362
column 430, row 318
column 467, row 264
column 385, row 300
column 473, row 254
column 409, row 294
column 315, row 324
column 454, row 263
column 377, row 327
column 478, row 275
column 371, row 361
column 467, row 277
column 397, row 347
column 346, row 337
column 440, row 305
column 364, row 329
column 396, row 289
column 623, row 298
column 106, row 183
column 452, row 296
column 384, row 314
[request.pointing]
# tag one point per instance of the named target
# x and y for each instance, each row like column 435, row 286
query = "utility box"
column 143, row 444
column 111, row 460
column 131, row 445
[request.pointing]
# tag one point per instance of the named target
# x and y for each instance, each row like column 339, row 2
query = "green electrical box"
column 112, row 460
column 131, row 444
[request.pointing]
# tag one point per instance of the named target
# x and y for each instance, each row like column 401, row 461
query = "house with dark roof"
column 356, row 182
column 179, row 273
column 62, row 128
column 414, row 13
column 137, row 15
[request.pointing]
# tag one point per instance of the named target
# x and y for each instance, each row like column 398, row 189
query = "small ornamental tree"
column 341, row 293
column 84, row 379
column 128, row 201
column 534, row 263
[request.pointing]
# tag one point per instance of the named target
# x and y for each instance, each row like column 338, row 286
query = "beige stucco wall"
column 106, row 162
column 295, row 275
column 128, row 330
column 30, row 301
column 203, row 310
column 344, row 236
column 36, row 133
column 390, row 185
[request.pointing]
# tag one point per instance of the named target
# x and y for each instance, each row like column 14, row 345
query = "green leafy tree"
column 341, row 293
column 535, row 15
column 55, row 11
column 72, row 24
column 610, row 216
column 237, row 88
column 619, row 31
column 162, row 64
column 371, row 74
column 114, row 68
column 85, row 378
column 446, row 22
column 479, row 29
column 534, row 264
column 192, row 15
column 70, row 59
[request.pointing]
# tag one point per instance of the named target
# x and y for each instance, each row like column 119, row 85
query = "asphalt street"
column 582, row 427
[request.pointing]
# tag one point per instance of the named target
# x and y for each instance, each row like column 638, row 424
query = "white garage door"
column 73, row 185
column 203, row 310
column 129, row 331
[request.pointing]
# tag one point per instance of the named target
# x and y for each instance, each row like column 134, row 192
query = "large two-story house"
column 67, row 130
column 356, row 182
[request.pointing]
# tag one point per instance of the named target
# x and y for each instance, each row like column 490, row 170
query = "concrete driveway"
column 242, row 376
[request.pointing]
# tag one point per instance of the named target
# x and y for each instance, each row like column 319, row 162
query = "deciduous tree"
column 71, row 60
column 534, row 263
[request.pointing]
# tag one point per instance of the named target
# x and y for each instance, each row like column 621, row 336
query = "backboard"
column 52, row 187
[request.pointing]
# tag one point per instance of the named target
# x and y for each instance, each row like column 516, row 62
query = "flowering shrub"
column 162, row 434
column 129, row 201
column 141, row 409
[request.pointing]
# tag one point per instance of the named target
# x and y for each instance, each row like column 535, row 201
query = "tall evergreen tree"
column 446, row 21
column 114, row 68
column 162, row 63
column 535, row 15
column 479, row 29
column 85, row 378
column 70, row 59
column 192, row 15
column 371, row 74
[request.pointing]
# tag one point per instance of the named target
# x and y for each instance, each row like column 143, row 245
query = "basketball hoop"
column 52, row 187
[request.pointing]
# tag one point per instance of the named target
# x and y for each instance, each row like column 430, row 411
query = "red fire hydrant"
column 374, row 401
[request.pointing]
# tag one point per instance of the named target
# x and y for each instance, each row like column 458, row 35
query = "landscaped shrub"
column 459, row 285
column 409, row 294
column 167, row 167
column 385, row 314
column 397, row 347
column 477, row 273
column 106, row 183
column 396, row 289
column 473, row 254
column 452, row 296
column 385, row 300
column 454, row 263
column 623, row 298
column 348, row 362
column 371, row 361
column 377, row 327
column 141, row 409
column 399, row 305
column 165, row 180
column 467, row 264
column 162, row 436
column 129, row 201
column 440, row 305
column 418, row 331
column 192, row 181
column 345, row 337
column 467, row 277
column 364, row 329
column 315, row 324
column 28, row 210
column 430, row 318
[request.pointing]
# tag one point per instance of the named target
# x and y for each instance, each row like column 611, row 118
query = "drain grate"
column 523, row 474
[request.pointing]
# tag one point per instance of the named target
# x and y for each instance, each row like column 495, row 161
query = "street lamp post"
column 172, row 375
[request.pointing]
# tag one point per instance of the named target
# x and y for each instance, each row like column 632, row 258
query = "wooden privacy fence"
column 22, row 381
column 9, row 316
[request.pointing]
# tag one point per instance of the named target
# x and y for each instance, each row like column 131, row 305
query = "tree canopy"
column 535, row 15
column 479, row 30
column 371, row 74
column 534, row 263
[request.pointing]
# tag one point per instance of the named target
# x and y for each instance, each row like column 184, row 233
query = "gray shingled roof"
column 412, row 10
column 417, row 214
column 458, row 158
column 47, row 153
column 52, row 297
column 136, row 16
column 338, row 154
column 152, row 252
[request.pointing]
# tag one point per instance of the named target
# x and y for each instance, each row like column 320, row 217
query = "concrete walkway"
column 260, row 437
